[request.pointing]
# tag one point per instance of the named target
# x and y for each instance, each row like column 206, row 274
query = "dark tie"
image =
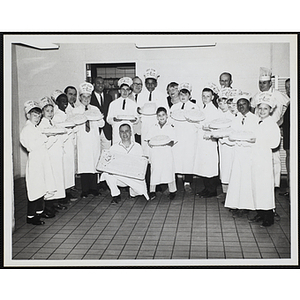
column 204, row 105
column 50, row 123
column 124, row 102
column 150, row 96
column 87, row 123
column 182, row 107
column 243, row 120
column 101, row 100
column 260, row 122
column 135, row 97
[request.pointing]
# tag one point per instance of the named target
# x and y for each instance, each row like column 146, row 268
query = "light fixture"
column 142, row 47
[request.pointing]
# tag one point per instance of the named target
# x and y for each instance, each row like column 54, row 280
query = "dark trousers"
column 35, row 206
column 266, row 215
column 147, row 176
column 88, row 182
column 210, row 184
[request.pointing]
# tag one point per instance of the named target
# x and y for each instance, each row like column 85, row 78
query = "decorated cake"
column 240, row 135
column 178, row 115
column 79, row 119
column 160, row 140
column 66, row 124
column 53, row 130
column 220, row 123
column 93, row 115
column 149, row 109
column 194, row 115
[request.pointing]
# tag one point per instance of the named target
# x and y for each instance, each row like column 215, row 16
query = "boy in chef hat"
column 122, row 109
column 40, row 182
column 267, row 138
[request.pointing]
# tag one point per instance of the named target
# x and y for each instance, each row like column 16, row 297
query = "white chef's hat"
column 45, row 101
column 212, row 87
column 264, row 74
column 233, row 94
column 185, row 86
column 267, row 98
column 86, row 88
column 55, row 94
column 224, row 92
column 151, row 73
column 242, row 95
column 125, row 80
column 29, row 105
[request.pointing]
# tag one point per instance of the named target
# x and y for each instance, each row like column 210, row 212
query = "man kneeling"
column 125, row 146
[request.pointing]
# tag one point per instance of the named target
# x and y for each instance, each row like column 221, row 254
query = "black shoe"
column 152, row 195
column 84, row 195
column 60, row 206
column 285, row 194
column 203, row 193
column 172, row 195
column 158, row 188
column 266, row 224
column 35, row 221
column 211, row 194
column 46, row 215
column 116, row 199
column 257, row 218
column 94, row 192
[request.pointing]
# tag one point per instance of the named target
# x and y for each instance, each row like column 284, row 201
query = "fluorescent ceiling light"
column 37, row 43
column 174, row 46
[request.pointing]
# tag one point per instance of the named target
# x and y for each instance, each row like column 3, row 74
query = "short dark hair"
column 97, row 77
column 69, row 87
column 288, row 80
column 172, row 84
column 161, row 108
column 36, row 110
column 208, row 90
column 60, row 97
column 125, row 124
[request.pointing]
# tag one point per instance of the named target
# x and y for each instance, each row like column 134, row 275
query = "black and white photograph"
column 150, row 149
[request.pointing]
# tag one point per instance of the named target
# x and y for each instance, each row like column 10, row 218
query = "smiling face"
column 62, row 102
column 150, row 84
column 125, row 91
column 162, row 118
column 264, row 110
column 232, row 107
column 184, row 96
column 264, row 85
column 137, row 85
column 85, row 99
column 125, row 133
column 34, row 117
column 243, row 106
column 173, row 91
column 207, row 97
column 225, row 80
column 72, row 95
column 222, row 104
column 99, row 85
column 48, row 112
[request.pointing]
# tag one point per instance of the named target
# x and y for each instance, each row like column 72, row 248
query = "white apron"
column 56, row 159
column 267, row 137
column 161, row 157
column 68, row 150
column 186, row 134
column 88, row 143
column 39, row 175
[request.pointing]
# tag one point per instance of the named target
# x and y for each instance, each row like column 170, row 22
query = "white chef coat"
column 88, row 143
column 161, row 157
column 69, row 149
column 56, row 159
column 186, row 134
column 206, row 159
column 148, row 121
column 240, row 188
column 136, row 186
column 267, row 137
column 39, row 175
column 115, row 109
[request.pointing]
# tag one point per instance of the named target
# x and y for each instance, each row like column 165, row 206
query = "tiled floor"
column 185, row 228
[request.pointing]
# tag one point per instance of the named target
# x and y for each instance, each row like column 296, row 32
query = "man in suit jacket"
column 101, row 99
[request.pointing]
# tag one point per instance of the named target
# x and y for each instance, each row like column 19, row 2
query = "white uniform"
column 148, row 121
column 240, row 191
column 115, row 109
column 161, row 157
column 56, row 159
column 267, row 137
column 137, row 187
column 88, row 143
column 69, row 150
column 39, row 175
column 206, row 159
column 225, row 153
column 281, row 102
column 186, row 134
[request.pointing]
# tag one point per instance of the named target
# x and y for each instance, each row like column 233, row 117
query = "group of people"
column 174, row 132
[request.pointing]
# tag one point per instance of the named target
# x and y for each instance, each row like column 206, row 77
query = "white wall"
column 40, row 72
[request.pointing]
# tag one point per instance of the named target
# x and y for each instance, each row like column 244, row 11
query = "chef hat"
column 265, row 74
column 185, row 86
column 86, row 88
column 151, row 73
column 125, row 80
column 45, row 101
column 212, row 87
column 234, row 93
column 224, row 92
column 29, row 105
column 243, row 95
column 267, row 98
column 55, row 94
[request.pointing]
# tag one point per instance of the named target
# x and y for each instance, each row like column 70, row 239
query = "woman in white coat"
column 267, row 138
column 88, row 142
